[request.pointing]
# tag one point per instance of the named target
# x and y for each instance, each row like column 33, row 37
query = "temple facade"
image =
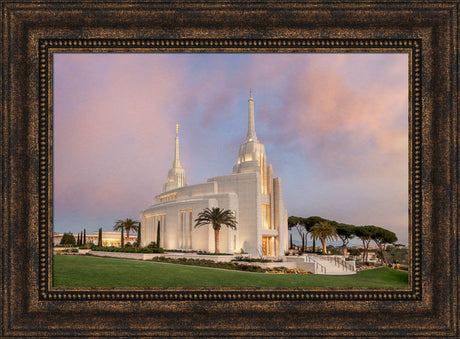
column 251, row 192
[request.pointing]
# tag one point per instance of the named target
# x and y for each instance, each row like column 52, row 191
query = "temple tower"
column 251, row 156
column 176, row 175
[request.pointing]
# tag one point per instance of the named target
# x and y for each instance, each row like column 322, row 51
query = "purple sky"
column 335, row 129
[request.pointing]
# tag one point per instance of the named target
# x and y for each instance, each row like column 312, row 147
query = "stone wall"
column 123, row 255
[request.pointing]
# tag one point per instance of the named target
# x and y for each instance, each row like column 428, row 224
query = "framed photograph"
column 321, row 134
column 158, row 113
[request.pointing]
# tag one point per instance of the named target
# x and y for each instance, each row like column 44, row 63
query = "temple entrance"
column 268, row 246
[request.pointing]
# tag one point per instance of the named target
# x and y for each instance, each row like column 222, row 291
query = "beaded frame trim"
column 49, row 46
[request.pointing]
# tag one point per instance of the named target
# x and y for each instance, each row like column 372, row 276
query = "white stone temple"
column 251, row 192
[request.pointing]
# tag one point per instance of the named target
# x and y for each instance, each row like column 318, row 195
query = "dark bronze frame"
column 33, row 31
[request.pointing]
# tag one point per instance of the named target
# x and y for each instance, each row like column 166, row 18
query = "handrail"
column 322, row 267
column 340, row 262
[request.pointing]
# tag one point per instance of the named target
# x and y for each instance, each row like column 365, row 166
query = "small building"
column 108, row 238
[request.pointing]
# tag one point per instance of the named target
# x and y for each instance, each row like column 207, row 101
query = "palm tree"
column 119, row 227
column 216, row 217
column 128, row 225
column 324, row 230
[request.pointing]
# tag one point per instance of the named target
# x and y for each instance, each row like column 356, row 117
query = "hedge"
column 128, row 249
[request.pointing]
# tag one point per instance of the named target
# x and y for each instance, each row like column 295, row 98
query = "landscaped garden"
column 88, row 271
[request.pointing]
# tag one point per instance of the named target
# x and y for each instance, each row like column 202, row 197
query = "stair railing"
column 338, row 261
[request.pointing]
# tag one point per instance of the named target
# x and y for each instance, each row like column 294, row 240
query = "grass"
column 87, row 271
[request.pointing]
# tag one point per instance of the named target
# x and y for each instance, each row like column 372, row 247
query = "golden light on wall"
column 266, row 215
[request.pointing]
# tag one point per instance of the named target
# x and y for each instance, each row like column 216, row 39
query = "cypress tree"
column 291, row 241
column 99, row 238
column 122, row 238
column 84, row 236
column 158, row 234
column 139, row 236
column 314, row 245
column 81, row 238
column 303, row 243
column 78, row 239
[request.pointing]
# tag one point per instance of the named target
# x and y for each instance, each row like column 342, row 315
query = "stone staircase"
column 331, row 264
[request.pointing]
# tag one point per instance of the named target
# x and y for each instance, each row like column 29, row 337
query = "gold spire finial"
column 177, row 129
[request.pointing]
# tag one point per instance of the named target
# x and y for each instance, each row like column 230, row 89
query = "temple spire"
column 251, row 157
column 176, row 163
column 251, row 136
column 176, row 175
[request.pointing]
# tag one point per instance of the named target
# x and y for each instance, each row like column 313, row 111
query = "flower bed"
column 283, row 270
column 246, row 259
column 210, row 263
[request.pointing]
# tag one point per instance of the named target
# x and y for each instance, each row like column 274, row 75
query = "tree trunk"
column 384, row 263
column 216, row 241
column 344, row 245
column 324, row 246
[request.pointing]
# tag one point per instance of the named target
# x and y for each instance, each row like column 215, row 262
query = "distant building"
column 251, row 192
column 108, row 238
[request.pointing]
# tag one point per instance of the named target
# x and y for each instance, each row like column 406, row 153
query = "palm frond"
column 216, row 217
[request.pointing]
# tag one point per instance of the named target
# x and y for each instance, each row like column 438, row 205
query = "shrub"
column 211, row 253
column 85, row 246
column 153, row 244
column 68, row 239
column 256, row 259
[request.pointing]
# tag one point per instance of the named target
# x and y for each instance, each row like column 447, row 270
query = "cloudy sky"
column 335, row 129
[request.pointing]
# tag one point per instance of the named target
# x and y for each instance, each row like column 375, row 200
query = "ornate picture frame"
column 33, row 31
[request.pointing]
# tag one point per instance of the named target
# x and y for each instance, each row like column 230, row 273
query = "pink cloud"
column 327, row 116
column 105, row 143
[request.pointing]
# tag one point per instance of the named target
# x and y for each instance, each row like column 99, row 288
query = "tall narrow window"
column 266, row 217
column 190, row 229
column 186, row 229
column 182, row 228
column 263, row 179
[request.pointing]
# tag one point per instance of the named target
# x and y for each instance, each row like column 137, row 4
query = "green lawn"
column 87, row 271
